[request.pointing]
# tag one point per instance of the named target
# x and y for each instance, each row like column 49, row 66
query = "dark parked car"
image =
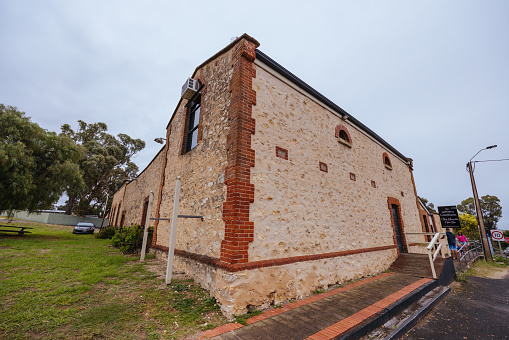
column 84, row 228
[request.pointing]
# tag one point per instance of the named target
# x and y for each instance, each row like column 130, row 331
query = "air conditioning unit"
column 190, row 87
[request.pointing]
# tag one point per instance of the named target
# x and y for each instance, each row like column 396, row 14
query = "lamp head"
column 159, row 140
column 491, row 147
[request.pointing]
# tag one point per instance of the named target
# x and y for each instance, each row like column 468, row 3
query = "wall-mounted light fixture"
column 159, row 140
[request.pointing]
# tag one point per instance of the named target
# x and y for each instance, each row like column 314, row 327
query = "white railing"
column 434, row 244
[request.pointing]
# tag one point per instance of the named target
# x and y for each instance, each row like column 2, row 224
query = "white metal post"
column 173, row 233
column 145, row 231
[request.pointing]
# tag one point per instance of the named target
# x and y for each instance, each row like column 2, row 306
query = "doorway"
column 397, row 228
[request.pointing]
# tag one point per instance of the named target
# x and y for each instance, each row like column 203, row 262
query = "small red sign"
column 507, row 239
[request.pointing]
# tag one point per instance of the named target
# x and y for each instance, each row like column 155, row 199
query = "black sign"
column 449, row 217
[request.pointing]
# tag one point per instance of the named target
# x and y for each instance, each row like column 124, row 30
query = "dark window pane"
column 192, row 126
column 343, row 135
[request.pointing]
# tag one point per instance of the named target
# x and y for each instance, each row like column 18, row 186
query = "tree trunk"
column 70, row 205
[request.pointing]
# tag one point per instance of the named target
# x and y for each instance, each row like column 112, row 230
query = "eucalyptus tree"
column 106, row 165
column 36, row 166
column 490, row 207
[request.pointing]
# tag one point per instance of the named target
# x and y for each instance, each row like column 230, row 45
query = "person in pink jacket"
column 462, row 242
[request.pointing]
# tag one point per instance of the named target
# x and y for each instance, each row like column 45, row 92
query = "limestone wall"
column 116, row 205
column 301, row 210
column 298, row 209
column 265, row 287
column 138, row 190
column 202, row 169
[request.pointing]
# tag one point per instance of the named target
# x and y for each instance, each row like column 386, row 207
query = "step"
column 417, row 265
column 347, row 312
column 403, row 322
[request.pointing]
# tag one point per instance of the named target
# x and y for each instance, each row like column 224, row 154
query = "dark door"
column 399, row 238
column 426, row 226
column 122, row 220
column 144, row 214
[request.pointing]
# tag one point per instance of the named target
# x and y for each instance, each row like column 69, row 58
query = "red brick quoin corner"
column 239, row 231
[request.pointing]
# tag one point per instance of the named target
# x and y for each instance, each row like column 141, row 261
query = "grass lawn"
column 56, row 285
column 495, row 269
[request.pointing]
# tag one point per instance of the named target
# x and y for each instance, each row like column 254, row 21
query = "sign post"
column 145, row 230
column 497, row 235
column 173, row 232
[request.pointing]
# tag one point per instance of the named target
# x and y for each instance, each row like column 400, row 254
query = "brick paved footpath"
column 323, row 316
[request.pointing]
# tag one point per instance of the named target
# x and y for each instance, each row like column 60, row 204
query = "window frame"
column 192, row 130
column 387, row 161
column 341, row 132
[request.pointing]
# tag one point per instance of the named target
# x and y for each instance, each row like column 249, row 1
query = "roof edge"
column 224, row 50
column 227, row 48
column 304, row 86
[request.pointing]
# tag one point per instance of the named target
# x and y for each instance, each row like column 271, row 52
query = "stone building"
column 296, row 193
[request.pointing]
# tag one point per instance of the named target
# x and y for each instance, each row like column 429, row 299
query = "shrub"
column 106, row 232
column 129, row 240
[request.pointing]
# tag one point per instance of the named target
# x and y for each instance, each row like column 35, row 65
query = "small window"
column 343, row 135
column 323, row 167
column 373, row 184
column 192, row 124
column 387, row 161
column 281, row 153
column 352, row 176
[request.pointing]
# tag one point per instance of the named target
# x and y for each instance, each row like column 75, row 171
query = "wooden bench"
column 15, row 229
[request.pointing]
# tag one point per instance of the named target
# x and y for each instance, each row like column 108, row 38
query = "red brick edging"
column 215, row 262
column 350, row 322
column 276, row 311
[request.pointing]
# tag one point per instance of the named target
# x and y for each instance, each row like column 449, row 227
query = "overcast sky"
column 430, row 77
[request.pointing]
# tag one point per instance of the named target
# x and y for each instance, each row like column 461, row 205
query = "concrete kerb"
column 411, row 321
column 388, row 313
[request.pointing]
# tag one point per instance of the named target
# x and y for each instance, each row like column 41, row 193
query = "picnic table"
column 14, row 229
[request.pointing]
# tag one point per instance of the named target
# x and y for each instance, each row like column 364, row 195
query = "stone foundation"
column 238, row 292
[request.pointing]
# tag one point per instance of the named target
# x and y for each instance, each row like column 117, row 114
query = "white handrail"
column 437, row 252
column 433, row 241
column 432, row 254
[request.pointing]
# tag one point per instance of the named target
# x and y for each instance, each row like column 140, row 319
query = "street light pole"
column 482, row 229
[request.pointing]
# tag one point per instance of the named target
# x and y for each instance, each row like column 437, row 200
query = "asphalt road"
column 475, row 309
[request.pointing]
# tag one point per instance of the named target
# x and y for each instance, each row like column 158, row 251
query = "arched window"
column 387, row 161
column 343, row 135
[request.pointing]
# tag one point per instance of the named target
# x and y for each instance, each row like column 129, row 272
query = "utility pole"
column 482, row 229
